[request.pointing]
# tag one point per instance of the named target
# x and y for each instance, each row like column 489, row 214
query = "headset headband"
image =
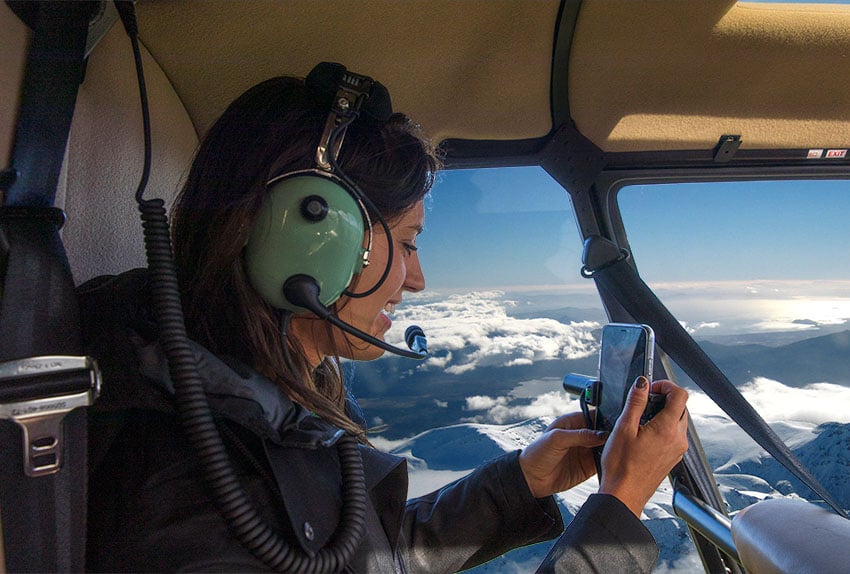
column 353, row 96
column 327, row 79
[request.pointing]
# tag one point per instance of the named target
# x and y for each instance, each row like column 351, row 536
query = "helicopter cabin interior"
column 599, row 93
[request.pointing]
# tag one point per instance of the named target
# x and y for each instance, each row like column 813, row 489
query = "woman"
column 273, row 381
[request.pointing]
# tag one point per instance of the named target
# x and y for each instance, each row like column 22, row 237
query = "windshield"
column 755, row 272
column 507, row 315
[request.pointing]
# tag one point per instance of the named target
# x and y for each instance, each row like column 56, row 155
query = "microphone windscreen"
column 411, row 333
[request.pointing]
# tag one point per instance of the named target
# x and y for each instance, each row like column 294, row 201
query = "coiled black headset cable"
column 238, row 510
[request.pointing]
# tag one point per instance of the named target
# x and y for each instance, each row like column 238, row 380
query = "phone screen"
column 626, row 354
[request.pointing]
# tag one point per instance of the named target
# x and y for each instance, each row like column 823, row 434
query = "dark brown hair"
column 272, row 129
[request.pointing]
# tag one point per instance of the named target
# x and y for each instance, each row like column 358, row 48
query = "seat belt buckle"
column 37, row 393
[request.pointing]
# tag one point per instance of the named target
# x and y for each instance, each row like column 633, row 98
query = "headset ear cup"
column 309, row 224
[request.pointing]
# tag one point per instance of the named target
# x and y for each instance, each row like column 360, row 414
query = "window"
column 504, row 305
column 754, row 270
column 507, row 315
column 758, row 273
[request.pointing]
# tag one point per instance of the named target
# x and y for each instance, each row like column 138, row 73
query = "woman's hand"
column 561, row 457
column 637, row 458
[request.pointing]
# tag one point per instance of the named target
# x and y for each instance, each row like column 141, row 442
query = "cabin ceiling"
column 644, row 75
column 474, row 69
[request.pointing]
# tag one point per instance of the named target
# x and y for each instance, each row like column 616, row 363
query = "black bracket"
column 600, row 253
column 726, row 148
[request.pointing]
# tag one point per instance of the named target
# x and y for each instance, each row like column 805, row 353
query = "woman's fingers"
column 635, row 404
column 675, row 400
column 565, row 439
column 568, row 421
column 637, row 458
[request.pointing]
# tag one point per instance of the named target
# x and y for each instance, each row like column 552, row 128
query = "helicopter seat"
column 105, row 157
column 105, row 151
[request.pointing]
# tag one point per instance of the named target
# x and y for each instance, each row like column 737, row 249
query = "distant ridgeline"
column 815, row 360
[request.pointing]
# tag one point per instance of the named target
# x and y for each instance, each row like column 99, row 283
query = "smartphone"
column 628, row 351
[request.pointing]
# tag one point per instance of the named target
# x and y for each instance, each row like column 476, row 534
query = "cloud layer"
column 466, row 331
column 775, row 402
column 505, row 409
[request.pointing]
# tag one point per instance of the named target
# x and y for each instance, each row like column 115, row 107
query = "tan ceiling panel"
column 663, row 74
column 472, row 69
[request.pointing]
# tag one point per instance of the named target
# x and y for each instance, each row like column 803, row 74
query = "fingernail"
column 602, row 434
column 641, row 382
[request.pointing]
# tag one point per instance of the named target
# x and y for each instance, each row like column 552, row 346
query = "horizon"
column 725, row 257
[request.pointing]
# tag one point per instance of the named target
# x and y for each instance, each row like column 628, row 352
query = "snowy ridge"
column 745, row 475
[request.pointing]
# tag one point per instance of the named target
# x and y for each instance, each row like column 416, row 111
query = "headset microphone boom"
column 303, row 291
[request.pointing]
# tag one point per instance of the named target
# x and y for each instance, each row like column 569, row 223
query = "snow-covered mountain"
column 744, row 473
column 499, row 358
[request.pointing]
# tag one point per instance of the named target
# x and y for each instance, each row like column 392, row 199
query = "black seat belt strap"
column 618, row 279
column 42, row 378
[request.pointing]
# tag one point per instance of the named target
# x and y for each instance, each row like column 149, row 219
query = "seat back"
column 104, row 158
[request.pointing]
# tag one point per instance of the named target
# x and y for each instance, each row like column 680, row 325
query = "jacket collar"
column 244, row 396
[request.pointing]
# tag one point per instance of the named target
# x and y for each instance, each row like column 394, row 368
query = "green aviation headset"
column 307, row 242
column 309, row 225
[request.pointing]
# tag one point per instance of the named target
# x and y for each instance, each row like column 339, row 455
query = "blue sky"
column 495, row 228
column 514, row 226
column 740, row 230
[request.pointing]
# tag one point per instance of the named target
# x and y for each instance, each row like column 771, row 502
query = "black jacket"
column 150, row 510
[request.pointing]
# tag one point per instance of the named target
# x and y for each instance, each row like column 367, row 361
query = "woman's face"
column 371, row 313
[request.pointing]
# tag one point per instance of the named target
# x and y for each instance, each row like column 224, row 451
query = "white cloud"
column 775, row 402
column 385, row 444
column 692, row 329
column 477, row 331
column 500, row 410
column 482, row 403
column 817, row 403
column 441, row 404
column 780, row 325
column 436, row 362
